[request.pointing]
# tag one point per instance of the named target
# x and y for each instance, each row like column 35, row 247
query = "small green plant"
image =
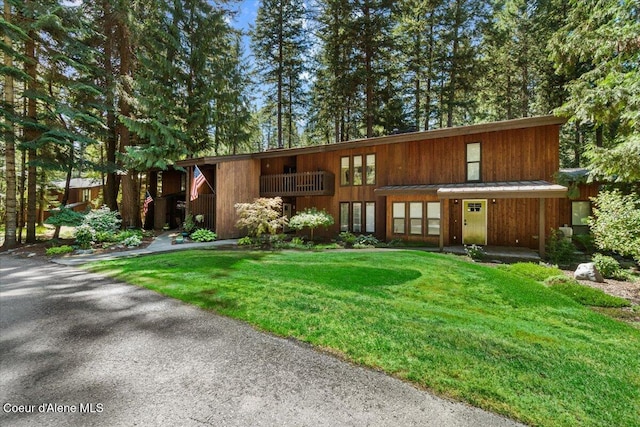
column 475, row 252
column 585, row 242
column 245, row 241
column 188, row 224
column 125, row 234
column 85, row 236
column 132, row 241
column 366, row 241
column 347, row 238
column 203, row 235
column 106, row 236
column 59, row 250
column 584, row 294
column 560, row 251
column 607, row 266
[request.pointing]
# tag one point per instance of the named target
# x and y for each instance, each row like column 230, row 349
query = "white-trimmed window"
column 473, row 161
column 344, row 216
column 370, row 217
column 415, row 218
column 357, row 217
column 399, row 216
column 433, row 218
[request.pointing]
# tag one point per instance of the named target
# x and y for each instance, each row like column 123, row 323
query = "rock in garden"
column 588, row 271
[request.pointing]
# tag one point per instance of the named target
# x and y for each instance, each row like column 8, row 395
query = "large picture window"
column 473, row 161
column 344, row 216
column 398, row 218
column 415, row 218
column 433, row 218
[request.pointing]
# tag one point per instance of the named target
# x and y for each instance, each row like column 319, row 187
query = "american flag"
column 147, row 200
column 198, row 180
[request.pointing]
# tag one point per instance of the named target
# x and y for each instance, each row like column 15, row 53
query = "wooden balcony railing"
column 320, row 183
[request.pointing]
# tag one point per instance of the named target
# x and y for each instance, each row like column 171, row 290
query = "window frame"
column 366, row 169
column 360, row 176
column 470, row 162
column 367, row 207
column 345, row 179
column 354, row 218
column 403, row 218
column 431, row 219
column 341, row 214
column 412, row 218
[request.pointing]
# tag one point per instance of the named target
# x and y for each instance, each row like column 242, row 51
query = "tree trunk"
column 31, row 135
column 129, row 209
column 279, row 72
column 368, row 60
column 10, row 150
column 110, row 190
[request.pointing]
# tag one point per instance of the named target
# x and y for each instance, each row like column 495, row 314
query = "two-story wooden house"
column 488, row 184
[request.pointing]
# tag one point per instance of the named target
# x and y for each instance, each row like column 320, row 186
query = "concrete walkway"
column 96, row 352
column 162, row 243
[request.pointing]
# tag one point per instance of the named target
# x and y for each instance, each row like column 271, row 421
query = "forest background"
column 112, row 88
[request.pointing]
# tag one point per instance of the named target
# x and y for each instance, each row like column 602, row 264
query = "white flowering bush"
column 103, row 220
column 85, row 235
column 311, row 219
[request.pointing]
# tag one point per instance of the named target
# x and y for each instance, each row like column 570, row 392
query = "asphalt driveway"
column 81, row 349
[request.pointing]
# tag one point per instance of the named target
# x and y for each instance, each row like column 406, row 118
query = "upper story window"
column 473, row 161
column 345, row 171
column 371, row 169
column 358, row 170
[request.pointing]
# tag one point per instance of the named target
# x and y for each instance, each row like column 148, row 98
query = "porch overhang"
column 481, row 190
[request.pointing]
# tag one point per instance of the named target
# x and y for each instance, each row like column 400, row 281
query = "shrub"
column 85, row 236
column 59, row 250
column 366, row 241
column 263, row 216
column 347, row 238
column 533, row 271
column 584, row 294
column 616, row 223
column 106, row 236
column 103, row 220
column 203, row 235
column 65, row 216
column 475, row 252
column 188, row 224
column 245, row 241
column 125, row 234
column 607, row 266
column 311, row 219
column 560, row 251
column 132, row 241
column 585, row 242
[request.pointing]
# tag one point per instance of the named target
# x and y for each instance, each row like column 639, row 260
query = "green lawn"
column 478, row 334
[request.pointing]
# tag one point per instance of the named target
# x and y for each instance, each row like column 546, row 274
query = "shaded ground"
column 69, row 337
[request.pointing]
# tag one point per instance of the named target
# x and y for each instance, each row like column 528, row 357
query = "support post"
column 541, row 227
column 442, row 222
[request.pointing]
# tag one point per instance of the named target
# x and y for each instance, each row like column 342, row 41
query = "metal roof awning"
column 492, row 190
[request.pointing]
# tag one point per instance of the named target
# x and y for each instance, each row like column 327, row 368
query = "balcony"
column 320, row 183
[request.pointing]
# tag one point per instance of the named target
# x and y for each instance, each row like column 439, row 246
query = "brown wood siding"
column 587, row 191
column 277, row 165
column 171, row 182
column 517, row 154
column 237, row 182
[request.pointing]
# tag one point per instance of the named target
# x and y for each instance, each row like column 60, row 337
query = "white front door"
column 474, row 222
